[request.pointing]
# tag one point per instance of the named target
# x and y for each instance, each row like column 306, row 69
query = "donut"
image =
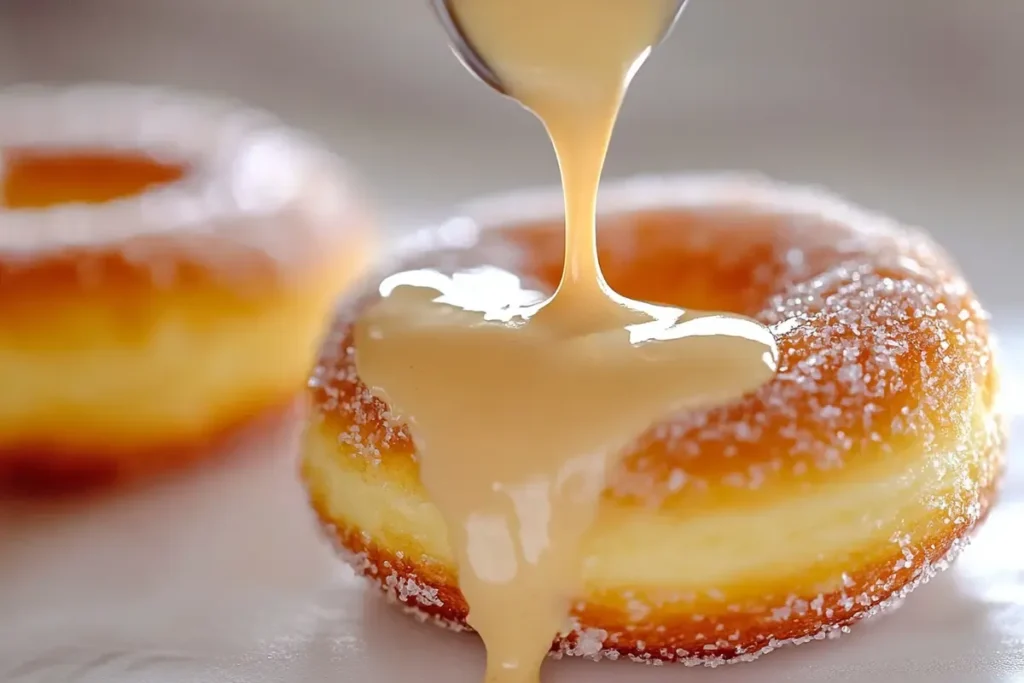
column 786, row 516
column 168, row 263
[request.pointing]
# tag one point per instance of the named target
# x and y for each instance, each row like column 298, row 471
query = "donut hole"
column 40, row 179
column 731, row 259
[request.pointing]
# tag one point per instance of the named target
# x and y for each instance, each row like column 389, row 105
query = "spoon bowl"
column 476, row 65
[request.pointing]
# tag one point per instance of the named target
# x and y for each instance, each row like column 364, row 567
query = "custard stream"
column 520, row 406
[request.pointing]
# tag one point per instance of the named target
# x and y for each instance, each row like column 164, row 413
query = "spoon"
column 471, row 59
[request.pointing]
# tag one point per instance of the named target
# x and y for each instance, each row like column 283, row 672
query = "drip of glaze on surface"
column 36, row 179
column 520, row 405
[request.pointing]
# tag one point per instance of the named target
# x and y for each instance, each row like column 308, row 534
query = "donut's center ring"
column 41, row 179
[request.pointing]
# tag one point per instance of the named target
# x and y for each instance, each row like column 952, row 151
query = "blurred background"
column 915, row 107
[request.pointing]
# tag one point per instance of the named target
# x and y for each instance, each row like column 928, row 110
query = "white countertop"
column 221, row 576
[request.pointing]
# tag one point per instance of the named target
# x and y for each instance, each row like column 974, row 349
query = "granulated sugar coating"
column 818, row 500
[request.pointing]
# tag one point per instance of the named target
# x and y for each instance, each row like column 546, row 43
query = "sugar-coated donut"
column 167, row 263
column 820, row 499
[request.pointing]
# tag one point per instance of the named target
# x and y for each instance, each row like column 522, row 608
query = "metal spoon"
column 471, row 59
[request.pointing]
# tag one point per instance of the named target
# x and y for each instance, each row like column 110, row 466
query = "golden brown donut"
column 820, row 499
column 167, row 263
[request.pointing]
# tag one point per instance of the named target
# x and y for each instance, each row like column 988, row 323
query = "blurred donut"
column 166, row 265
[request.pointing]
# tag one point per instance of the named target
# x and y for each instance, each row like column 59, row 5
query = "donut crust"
column 787, row 516
column 46, row 470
